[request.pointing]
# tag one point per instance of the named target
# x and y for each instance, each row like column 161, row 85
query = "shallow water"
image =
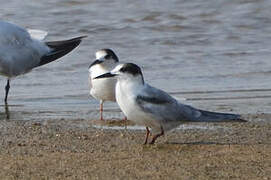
column 216, row 54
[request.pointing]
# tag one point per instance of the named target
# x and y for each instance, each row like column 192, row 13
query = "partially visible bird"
column 20, row 53
column 151, row 107
column 103, row 89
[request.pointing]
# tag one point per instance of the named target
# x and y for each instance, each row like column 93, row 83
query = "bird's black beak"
column 106, row 75
column 97, row 61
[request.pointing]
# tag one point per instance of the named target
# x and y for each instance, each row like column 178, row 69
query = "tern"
column 153, row 108
column 20, row 53
column 103, row 89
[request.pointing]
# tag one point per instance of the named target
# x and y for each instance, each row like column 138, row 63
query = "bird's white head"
column 127, row 71
column 105, row 58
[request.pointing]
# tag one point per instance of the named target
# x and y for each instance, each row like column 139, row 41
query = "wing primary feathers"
column 59, row 49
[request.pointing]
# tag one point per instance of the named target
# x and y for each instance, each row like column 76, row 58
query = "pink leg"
column 147, row 135
column 101, row 110
column 157, row 135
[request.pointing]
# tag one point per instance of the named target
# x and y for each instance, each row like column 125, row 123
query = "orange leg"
column 157, row 135
column 147, row 135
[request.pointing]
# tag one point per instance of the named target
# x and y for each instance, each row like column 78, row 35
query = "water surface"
column 216, row 54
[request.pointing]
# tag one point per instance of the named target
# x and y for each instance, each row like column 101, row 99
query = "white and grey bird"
column 20, row 53
column 153, row 108
column 103, row 89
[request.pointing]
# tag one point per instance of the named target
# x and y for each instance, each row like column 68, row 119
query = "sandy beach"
column 58, row 150
column 212, row 55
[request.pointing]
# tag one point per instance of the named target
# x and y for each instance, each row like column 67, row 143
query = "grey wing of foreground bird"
column 171, row 113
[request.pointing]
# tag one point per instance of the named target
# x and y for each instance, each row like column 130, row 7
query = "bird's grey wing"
column 159, row 104
column 197, row 115
column 168, row 110
column 154, row 96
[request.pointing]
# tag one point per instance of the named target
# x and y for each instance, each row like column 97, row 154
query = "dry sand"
column 59, row 150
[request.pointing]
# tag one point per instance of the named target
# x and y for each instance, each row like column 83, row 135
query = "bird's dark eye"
column 122, row 69
column 107, row 56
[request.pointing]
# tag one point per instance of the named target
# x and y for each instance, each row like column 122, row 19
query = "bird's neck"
column 128, row 85
column 98, row 70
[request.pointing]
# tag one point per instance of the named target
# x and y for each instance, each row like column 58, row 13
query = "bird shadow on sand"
column 206, row 143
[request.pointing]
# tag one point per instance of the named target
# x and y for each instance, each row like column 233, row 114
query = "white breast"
column 101, row 89
column 126, row 99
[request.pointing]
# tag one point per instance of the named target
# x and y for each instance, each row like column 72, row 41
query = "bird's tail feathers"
column 59, row 49
column 207, row 116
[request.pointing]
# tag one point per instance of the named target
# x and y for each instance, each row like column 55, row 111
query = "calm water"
column 214, row 53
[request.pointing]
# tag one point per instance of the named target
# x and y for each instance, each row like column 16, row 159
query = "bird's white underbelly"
column 133, row 112
column 103, row 89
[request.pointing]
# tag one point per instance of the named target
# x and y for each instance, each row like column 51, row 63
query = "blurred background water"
column 214, row 53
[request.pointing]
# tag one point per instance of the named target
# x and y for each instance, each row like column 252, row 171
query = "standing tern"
column 103, row 89
column 151, row 107
column 20, row 53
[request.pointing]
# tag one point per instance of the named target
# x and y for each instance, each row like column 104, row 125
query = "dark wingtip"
column 78, row 38
column 84, row 36
column 59, row 49
column 55, row 44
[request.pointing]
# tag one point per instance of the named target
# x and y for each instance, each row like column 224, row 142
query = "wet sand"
column 56, row 149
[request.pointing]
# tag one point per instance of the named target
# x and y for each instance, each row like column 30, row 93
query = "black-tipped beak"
column 106, row 75
column 97, row 61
